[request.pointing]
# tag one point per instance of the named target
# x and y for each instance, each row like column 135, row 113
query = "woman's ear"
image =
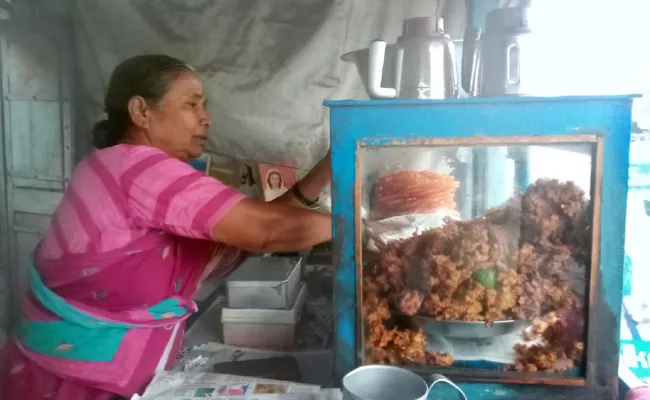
column 139, row 112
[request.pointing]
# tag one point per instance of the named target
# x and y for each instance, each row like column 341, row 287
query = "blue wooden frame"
column 353, row 123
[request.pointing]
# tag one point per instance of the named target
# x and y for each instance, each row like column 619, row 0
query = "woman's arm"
column 167, row 194
column 272, row 228
column 279, row 226
column 312, row 184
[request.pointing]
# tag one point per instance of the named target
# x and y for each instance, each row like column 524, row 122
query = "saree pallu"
column 96, row 339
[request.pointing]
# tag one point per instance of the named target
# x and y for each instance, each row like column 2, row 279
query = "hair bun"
column 102, row 134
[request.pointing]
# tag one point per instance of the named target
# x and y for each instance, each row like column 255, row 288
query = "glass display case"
column 482, row 239
column 501, row 284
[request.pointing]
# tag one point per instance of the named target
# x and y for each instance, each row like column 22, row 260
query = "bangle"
column 302, row 199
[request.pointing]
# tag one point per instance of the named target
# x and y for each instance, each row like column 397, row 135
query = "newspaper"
column 171, row 385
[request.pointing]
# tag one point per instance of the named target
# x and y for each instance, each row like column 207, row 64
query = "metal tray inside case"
column 265, row 282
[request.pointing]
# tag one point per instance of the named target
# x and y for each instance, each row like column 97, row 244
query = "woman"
column 274, row 185
column 113, row 279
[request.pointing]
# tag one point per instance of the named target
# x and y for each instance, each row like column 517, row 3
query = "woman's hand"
column 312, row 184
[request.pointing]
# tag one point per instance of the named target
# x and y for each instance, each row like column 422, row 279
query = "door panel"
column 25, row 243
column 37, row 96
column 34, row 200
column 37, row 153
column 31, row 222
column 17, row 114
column 32, row 64
column 38, row 183
column 47, row 155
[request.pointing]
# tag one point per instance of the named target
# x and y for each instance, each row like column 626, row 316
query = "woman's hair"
column 250, row 180
column 268, row 178
column 147, row 76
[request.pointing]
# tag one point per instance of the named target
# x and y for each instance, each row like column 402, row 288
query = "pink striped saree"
column 124, row 253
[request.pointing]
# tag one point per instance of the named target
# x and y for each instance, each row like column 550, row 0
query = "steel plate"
column 468, row 330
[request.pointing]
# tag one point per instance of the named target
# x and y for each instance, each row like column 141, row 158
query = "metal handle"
column 513, row 64
column 376, row 55
column 437, row 378
column 440, row 25
column 399, row 62
column 451, row 70
column 477, row 73
column 470, row 39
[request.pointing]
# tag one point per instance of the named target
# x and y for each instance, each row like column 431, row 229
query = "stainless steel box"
column 265, row 329
column 265, row 283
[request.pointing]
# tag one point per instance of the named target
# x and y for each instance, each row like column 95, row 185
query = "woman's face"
column 179, row 124
column 274, row 180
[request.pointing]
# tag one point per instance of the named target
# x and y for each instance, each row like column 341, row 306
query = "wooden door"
column 37, row 62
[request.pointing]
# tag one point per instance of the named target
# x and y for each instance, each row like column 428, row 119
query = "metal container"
column 383, row 382
column 425, row 63
column 468, row 330
column 304, row 254
column 265, row 283
column 263, row 328
column 360, row 128
column 504, row 59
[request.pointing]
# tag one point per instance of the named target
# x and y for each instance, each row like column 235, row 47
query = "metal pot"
column 498, row 61
column 384, row 382
column 425, row 63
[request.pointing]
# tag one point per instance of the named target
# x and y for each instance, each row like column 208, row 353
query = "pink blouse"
column 123, row 193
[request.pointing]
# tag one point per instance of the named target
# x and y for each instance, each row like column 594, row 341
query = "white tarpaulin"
column 268, row 65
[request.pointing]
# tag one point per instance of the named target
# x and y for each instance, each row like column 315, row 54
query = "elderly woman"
column 113, row 279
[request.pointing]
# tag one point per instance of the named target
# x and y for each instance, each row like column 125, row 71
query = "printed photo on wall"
column 224, row 169
column 277, row 179
column 249, row 180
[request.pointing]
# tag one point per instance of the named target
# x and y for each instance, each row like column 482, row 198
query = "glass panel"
column 476, row 256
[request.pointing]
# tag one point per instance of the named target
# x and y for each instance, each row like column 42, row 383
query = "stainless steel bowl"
column 468, row 330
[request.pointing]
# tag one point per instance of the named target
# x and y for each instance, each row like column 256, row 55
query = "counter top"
column 313, row 352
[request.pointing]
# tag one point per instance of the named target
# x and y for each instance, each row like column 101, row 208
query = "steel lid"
column 261, row 270
column 422, row 26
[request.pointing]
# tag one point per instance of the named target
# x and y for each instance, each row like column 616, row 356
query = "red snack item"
column 412, row 192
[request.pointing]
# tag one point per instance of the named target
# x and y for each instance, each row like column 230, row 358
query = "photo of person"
column 276, row 179
column 274, row 185
column 248, row 183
